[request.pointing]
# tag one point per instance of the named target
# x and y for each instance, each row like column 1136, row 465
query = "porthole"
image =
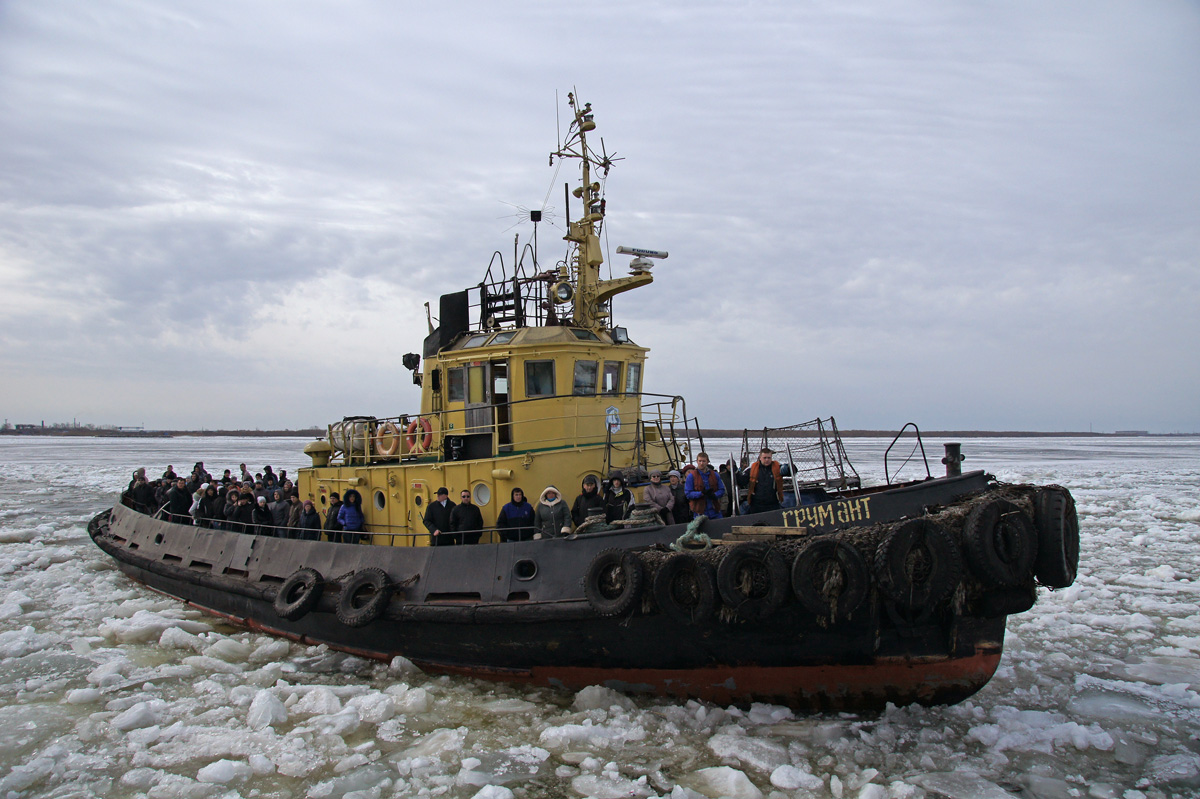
column 322, row 499
column 158, row 539
column 481, row 493
column 417, row 500
column 525, row 569
column 380, row 500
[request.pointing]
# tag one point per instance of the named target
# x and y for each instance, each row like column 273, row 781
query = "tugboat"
column 846, row 597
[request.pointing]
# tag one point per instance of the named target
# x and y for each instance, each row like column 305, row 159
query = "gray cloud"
column 969, row 216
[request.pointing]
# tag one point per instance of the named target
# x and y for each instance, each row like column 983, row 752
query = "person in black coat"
column 143, row 496
column 179, row 503
column 242, row 518
column 466, row 521
column 212, row 508
column 437, row 519
column 617, row 500
column 683, row 509
column 333, row 528
column 264, row 521
column 591, row 499
column 310, row 522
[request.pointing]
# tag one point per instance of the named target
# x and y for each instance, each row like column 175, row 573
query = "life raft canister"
column 387, row 440
column 416, row 445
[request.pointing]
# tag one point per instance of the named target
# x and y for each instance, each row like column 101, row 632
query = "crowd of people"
column 269, row 504
column 264, row 503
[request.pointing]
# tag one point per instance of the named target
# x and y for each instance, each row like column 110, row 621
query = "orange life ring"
column 413, row 445
column 389, row 433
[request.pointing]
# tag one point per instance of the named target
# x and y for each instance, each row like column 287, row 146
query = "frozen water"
column 107, row 689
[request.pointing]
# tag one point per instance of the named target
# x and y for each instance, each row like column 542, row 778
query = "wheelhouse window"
column 505, row 337
column 456, row 386
column 539, row 379
column 612, row 377
column 585, row 378
column 633, row 378
column 584, row 335
column 476, row 340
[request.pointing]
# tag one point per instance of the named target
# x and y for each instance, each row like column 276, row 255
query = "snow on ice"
column 107, row 689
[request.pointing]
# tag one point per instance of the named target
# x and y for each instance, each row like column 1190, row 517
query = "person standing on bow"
column 704, row 489
column 437, row 519
column 765, row 491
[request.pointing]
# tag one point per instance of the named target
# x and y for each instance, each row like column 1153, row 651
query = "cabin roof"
column 506, row 339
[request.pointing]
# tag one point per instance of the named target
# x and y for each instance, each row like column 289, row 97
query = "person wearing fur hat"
column 551, row 517
column 589, row 500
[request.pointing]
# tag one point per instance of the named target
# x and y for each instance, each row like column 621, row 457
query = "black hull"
column 469, row 610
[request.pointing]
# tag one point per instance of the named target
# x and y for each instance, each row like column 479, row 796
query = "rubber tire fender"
column 812, row 569
column 299, row 594
column 917, row 564
column 686, row 574
column 1000, row 544
column 771, row 589
column 352, row 614
column 1058, row 531
column 614, row 582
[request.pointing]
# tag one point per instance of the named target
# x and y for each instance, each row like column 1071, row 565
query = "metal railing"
column 887, row 474
column 360, row 440
column 816, row 456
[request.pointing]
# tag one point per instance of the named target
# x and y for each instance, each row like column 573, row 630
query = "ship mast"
column 591, row 294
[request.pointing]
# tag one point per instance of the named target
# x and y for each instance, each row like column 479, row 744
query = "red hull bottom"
column 833, row 687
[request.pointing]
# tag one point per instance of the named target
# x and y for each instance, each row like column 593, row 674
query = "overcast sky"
column 968, row 215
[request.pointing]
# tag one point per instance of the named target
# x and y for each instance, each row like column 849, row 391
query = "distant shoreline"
column 752, row 434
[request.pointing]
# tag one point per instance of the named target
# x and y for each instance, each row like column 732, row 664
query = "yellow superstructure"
column 539, row 390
